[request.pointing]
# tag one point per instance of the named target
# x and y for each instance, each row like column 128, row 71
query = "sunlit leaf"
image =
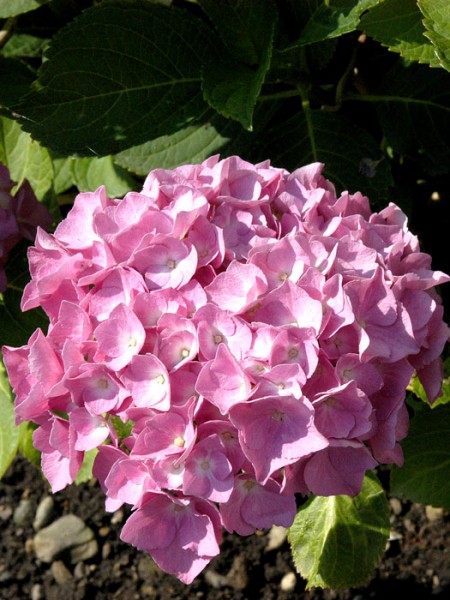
column 398, row 24
column 88, row 174
column 437, row 24
column 25, row 158
column 333, row 19
column 9, row 434
column 192, row 144
column 11, row 8
column 337, row 541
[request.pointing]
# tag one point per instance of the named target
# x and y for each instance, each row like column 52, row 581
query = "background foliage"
column 101, row 92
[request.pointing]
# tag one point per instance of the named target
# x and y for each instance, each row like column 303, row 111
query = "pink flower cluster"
column 20, row 215
column 252, row 332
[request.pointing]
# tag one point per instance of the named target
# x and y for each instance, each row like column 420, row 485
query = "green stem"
column 279, row 95
column 309, row 124
column 7, row 30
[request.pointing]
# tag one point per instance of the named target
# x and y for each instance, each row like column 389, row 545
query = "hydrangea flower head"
column 253, row 330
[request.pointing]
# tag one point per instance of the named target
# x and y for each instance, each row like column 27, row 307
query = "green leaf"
column 334, row 18
column 245, row 26
column 90, row 173
column 233, row 89
column 413, row 105
column 437, row 24
column 192, row 144
column 24, row 45
column 398, row 25
column 26, row 447
column 17, row 326
column 11, row 8
column 143, row 83
column 418, row 390
column 16, row 79
column 425, row 477
column 26, row 159
column 85, row 473
column 232, row 86
column 63, row 174
column 337, row 541
column 330, row 138
column 9, row 434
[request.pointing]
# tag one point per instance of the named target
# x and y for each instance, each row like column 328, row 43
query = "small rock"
column 106, row 550
column 237, row 577
column 396, row 506
column 68, row 534
column 44, row 513
column 80, row 571
column 23, row 512
column 5, row 512
column 104, row 531
column 277, row 536
column 215, row 579
column 37, row 592
column 288, row 582
column 60, row 572
column 434, row 514
column 117, row 517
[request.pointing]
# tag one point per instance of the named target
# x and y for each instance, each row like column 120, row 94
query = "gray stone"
column 23, row 512
column 44, row 513
column 37, row 592
column 60, row 572
column 68, row 535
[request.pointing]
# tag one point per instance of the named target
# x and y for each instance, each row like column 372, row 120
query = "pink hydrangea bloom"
column 251, row 330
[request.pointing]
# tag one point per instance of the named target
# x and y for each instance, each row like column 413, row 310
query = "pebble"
column 434, row 514
column 396, row 506
column 5, row 512
column 288, row 582
column 37, row 592
column 23, row 512
column 60, row 572
column 237, row 576
column 215, row 579
column 80, row 570
column 117, row 517
column 68, row 534
column 277, row 536
column 44, row 513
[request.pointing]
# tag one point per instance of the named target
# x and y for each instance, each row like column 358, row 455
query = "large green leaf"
column 9, row 434
column 232, row 83
column 437, row 23
column 353, row 160
column 121, row 73
column 398, row 25
column 413, row 104
column 11, row 8
column 15, row 81
column 337, row 541
column 245, row 26
column 192, row 144
column 25, row 158
column 425, row 475
column 334, row 18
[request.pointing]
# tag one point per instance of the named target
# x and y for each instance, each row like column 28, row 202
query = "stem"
column 309, row 124
column 279, row 95
column 7, row 30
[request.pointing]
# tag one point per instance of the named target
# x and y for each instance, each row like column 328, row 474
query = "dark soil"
column 417, row 559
